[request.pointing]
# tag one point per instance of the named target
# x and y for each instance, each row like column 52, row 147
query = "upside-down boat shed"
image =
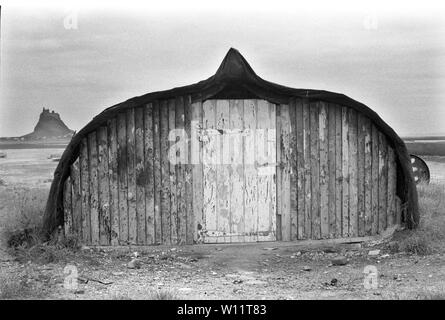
column 233, row 158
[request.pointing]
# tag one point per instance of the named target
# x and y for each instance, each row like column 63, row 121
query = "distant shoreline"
column 32, row 145
column 423, row 138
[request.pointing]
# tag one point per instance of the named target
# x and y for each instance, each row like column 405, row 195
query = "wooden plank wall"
column 345, row 173
column 335, row 176
column 123, row 188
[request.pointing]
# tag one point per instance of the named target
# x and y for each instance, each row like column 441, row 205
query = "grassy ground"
column 21, row 209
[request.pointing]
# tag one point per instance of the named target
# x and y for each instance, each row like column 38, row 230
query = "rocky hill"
column 49, row 126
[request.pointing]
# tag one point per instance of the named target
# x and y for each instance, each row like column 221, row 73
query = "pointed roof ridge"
column 234, row 66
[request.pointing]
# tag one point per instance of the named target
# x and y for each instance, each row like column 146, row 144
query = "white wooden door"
column 239, row 170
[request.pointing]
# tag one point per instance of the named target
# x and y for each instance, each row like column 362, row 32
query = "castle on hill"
column 49, row 126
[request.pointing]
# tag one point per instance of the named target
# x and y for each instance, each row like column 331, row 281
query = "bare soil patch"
column 254, row 271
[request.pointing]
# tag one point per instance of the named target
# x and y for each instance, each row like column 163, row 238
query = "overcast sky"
column 391, row 59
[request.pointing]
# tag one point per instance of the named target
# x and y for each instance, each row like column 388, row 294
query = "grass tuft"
column 429, row 237
column 22, row 215
column 162, row 295
column 23, row 229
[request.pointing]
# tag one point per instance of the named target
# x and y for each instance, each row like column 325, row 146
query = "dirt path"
column 259, row 271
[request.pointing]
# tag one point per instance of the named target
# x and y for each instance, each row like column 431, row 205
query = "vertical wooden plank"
column 209, row 168
column 331, row 136
column 149, row 171
column 113, row 181
column 141, row 176
column 353, row 174
column 85, row 191
column 94, row 201
column 67, row 208
column 293, row 171
column 271, row 177
column 345, row 171
column 398, row 211
column 174, row 138
column 104, row 187
column 181, row 173
column 315, row 170
column 122, row 177
column 323, row 130
column 76, row 198
column 165, row 173
column 383, row 181
column 338, row 172
column 392, row 187
column 307, row 170
column 157, row 172
column 361, row 132
column 131, row 195
column 279, row 167
column 237, row 170
column 368, row 177
column 223, row 178
column 300, row 168
column 261, row 166
column 250, row 171
column 285, row 172
column 190, row 214
column 375, row 179
column 196, row 153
